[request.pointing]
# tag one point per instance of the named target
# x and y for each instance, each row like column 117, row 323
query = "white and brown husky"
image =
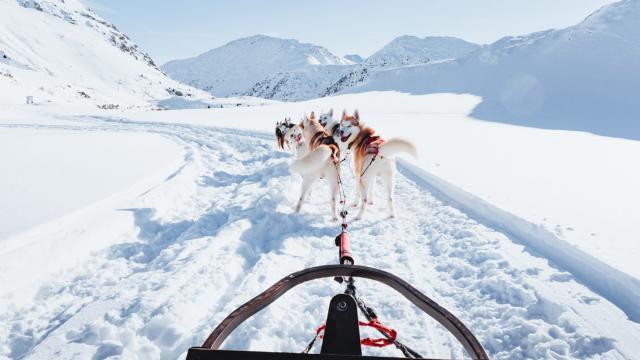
column 318, row 161
column 372, row 157
column 290, row 134
column 332, row 127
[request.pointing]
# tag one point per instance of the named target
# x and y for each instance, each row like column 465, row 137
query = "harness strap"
column 389, row 333
column 370, row 162
column 372, row 147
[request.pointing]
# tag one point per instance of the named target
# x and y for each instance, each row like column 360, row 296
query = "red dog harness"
column 372, row 145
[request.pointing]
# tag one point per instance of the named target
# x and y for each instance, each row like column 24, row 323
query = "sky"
column 170, row 29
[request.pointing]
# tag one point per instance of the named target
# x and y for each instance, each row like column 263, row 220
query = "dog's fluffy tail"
column 313, row 161
column 394, row 146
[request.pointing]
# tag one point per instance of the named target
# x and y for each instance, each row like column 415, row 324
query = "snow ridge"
column 411, row 50
column 618, row 287
column 403, row 51
column 60, row 51
column 578, row 78
column 286, row 69
column 239, row 66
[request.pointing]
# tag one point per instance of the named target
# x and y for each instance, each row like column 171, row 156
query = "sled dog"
column 291, row 134
column 332, row 127
column 372, row 157
column 319, row 161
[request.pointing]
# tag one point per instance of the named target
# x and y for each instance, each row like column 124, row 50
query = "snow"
column 285, row 69
column 62, row 52
column 576, row 189
column 233, row 69
column 169, row 260
column 354, row 57
column 401, row 52
column 579, row 78
column 131, row 233
column 50, row 173
column 411, row 50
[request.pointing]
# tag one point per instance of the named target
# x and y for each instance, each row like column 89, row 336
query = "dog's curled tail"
column 394, row 146
column 313, row 161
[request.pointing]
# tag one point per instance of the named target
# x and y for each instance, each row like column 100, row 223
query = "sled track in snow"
column 221, row 229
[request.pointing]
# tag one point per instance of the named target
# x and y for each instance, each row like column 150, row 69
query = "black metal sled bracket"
column 342, row 334
column 423, row 302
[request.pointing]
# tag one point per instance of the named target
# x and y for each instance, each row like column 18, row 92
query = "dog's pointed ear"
column 356, row 115
column 313, row 115
column 344, row 114
column 331, row 112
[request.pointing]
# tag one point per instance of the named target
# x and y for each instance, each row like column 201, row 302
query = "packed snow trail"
column 221, row 229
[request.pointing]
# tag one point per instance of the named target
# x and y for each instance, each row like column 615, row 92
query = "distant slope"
column 303, row 84
column 60, row 51
column 354, row 57
column 285, row 69
column 239, row 66
column 403, row 51
column 411, row 50
column 584, row 77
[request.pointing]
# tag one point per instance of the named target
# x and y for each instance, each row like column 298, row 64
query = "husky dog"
column 332, row 126
column 321, row 161
column 291, row 134
column 328, row 123
column 372, row 157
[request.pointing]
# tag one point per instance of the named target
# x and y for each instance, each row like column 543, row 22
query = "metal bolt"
column 342, row 306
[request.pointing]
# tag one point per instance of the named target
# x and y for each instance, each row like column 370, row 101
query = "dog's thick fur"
column 363, row 142
column 291, row 134
column 332, row 127
column 319, row 162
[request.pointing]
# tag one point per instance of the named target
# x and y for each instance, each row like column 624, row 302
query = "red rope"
column 375, row 342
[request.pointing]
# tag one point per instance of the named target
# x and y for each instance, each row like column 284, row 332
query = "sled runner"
column 341, row 338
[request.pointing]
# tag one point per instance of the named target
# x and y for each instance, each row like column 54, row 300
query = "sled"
column 341, row 340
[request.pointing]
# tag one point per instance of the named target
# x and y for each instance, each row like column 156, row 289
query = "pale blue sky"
column 177, row 29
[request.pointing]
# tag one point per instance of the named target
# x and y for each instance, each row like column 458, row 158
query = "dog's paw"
column 370, row 203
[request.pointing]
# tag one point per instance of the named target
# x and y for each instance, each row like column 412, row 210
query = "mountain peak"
column 50, row 52
column 411, row 50
column 620, row 18
column 354, row 57
column 258, row 38
column 236, row 66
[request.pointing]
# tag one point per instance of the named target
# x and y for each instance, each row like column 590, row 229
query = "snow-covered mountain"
column 61, row 51
column 411, row 50
column 584, row 77
column 286, row 69
column 255, row 65
column 308, row 83
column 403, row 51
column 354, row 57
